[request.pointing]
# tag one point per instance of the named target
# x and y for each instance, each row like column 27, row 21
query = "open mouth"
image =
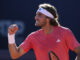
column 37, row 22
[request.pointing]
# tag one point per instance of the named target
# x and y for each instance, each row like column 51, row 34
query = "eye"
column 39, row 15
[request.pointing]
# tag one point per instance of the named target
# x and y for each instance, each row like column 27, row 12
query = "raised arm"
column 15, row 51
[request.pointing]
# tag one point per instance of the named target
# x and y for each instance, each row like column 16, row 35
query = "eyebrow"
column 39, row 13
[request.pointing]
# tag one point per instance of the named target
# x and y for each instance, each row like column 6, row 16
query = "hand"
column 12, row 29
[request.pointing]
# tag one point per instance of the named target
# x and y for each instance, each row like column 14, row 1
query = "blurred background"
column 22, row 12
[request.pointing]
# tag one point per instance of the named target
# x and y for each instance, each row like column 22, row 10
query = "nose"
column 36, row 17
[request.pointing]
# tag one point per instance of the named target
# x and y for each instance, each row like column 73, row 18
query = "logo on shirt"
column 58, row 40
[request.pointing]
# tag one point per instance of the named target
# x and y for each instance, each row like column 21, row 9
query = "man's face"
column 40, row 19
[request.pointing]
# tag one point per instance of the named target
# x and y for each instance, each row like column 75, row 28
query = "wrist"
column 11, row 38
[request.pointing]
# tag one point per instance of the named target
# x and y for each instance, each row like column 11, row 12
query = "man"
column 50, row 38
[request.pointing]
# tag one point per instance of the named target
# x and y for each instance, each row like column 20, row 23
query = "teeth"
column 37, row 22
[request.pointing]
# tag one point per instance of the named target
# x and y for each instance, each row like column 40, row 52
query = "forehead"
column 39, row 13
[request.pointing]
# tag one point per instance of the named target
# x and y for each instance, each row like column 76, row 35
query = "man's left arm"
column 77, row 51
column 72, row 43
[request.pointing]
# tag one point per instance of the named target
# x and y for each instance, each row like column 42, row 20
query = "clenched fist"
column 12, row 29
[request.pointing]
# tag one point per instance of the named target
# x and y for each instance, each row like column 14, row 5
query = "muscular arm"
column 15, row 51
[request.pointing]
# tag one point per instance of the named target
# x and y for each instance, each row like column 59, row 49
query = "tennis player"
column 51, row 37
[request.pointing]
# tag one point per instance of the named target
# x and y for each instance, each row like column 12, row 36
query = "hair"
column 50, row 8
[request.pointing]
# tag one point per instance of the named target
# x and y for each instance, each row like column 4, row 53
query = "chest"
column 48, row 42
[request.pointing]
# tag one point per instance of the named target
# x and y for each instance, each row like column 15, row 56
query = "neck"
column 47, row 29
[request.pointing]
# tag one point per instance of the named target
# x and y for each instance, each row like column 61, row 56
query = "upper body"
column 59, row 41
column 51, row 37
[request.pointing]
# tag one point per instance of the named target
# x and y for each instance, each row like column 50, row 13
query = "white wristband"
column 11, row 38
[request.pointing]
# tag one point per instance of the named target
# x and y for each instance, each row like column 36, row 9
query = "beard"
column 38, row 24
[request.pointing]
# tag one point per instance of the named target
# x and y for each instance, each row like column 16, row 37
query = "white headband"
column 45, row 12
